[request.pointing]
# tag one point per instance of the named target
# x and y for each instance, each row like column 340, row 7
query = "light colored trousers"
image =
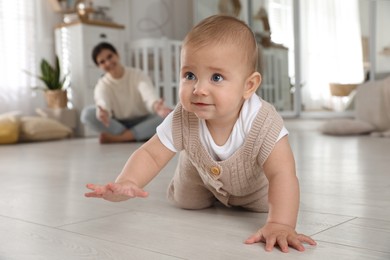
column 187, row 190
column 142, row 128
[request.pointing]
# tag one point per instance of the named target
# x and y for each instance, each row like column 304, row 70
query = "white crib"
column 160, row 59
column 275, row 86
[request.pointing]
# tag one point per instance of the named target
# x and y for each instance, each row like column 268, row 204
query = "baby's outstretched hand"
column 115, row 192
column 282, row 235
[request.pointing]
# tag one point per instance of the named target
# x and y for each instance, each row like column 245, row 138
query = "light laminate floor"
column 345, row 205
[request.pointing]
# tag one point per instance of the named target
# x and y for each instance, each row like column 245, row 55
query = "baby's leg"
column 257, row 201
column 187, row 189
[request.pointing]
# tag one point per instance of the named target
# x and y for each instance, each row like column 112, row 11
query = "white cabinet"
column 74, row 44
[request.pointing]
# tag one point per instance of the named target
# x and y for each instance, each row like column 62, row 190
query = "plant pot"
column 56, row 98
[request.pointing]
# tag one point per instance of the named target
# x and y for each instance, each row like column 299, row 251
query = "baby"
column 233, row 145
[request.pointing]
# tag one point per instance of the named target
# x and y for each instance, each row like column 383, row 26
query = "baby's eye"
column 189, row 76
column 217, row 77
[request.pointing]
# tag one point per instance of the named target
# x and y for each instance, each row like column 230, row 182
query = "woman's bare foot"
column 106, row 138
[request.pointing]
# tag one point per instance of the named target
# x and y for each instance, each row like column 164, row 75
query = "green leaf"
column 51, row 76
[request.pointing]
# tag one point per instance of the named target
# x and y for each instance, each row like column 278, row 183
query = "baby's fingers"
column 93, row 195
column 255, row 238
column 295, row 243
column 91, row 186
column 282, row 243
column 97, row 190
column 131, row 192
column 140, row 193
column 270, row 243
column 306, row 239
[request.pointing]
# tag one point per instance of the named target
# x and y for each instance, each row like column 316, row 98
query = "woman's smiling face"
column 108, row 61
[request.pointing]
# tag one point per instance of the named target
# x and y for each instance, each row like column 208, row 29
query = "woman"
column 126, row 105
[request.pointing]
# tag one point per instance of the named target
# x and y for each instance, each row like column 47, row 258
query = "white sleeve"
column 283, row 132
column 164, row 133
column 148, row 92
column 102, row 98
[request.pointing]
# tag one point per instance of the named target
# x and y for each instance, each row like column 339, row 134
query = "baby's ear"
column 251, row 84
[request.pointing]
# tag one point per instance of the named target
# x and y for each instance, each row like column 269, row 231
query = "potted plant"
column 54, row 89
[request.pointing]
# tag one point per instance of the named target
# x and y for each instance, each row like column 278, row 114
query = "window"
column 17, row 52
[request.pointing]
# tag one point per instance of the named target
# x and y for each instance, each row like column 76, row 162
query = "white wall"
column 46, row 20
column 154, row 18
column 174, row 18
column 206, row 8
column 382, row 33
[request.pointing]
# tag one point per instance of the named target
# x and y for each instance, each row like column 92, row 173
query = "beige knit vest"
column 241, row 174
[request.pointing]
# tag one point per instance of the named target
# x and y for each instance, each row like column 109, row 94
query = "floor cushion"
column 9, row 128
column 41, row 129
column 346, row 127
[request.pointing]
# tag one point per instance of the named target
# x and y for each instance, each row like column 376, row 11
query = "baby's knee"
column 191, row 204
column 190, row 201
column 257, row 204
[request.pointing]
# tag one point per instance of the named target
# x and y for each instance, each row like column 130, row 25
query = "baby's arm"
column 142, row 166
column 283, row 198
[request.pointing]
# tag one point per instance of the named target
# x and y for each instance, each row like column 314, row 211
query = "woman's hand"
column 282, row 235
column 115, row 192
column 103, row 116
column 161, row 109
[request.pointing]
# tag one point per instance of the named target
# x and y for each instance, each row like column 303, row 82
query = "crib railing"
column 275, row 86
column 160, row 59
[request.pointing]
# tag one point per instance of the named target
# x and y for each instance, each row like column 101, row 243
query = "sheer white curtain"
column 17, row 52
column 330, row 44
column 280, row 13
column 26, row 35
column 331, row 48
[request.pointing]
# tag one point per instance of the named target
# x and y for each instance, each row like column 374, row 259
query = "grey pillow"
column 346, row 127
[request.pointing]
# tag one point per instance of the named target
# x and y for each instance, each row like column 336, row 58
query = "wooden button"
column 215, row 170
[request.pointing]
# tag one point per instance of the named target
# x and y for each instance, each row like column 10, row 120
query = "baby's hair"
column 100, row 47
column 223, row 29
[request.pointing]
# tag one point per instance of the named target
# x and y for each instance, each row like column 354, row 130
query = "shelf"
column 92, row 22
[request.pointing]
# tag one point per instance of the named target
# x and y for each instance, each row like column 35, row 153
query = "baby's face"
column 212, row 81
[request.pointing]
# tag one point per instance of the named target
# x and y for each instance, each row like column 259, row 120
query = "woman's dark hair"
column 100, row 47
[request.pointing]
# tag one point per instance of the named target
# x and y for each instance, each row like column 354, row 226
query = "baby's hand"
column 282, row 235
column 115, row 192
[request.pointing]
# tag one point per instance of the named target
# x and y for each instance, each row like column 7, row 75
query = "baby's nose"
column 200, row 88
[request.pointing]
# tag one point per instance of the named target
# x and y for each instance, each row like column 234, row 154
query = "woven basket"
column 341, row 90
column 56, row 98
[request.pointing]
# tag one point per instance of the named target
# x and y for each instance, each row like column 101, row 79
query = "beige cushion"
column 346, row 127
column 40, row 129
column 65, row 116
column 373, row 103
column 9, row 127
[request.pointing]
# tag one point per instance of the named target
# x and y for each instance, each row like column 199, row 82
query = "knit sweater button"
column 215, row 170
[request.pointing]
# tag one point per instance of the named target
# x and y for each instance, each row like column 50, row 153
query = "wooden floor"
column 345, row 205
